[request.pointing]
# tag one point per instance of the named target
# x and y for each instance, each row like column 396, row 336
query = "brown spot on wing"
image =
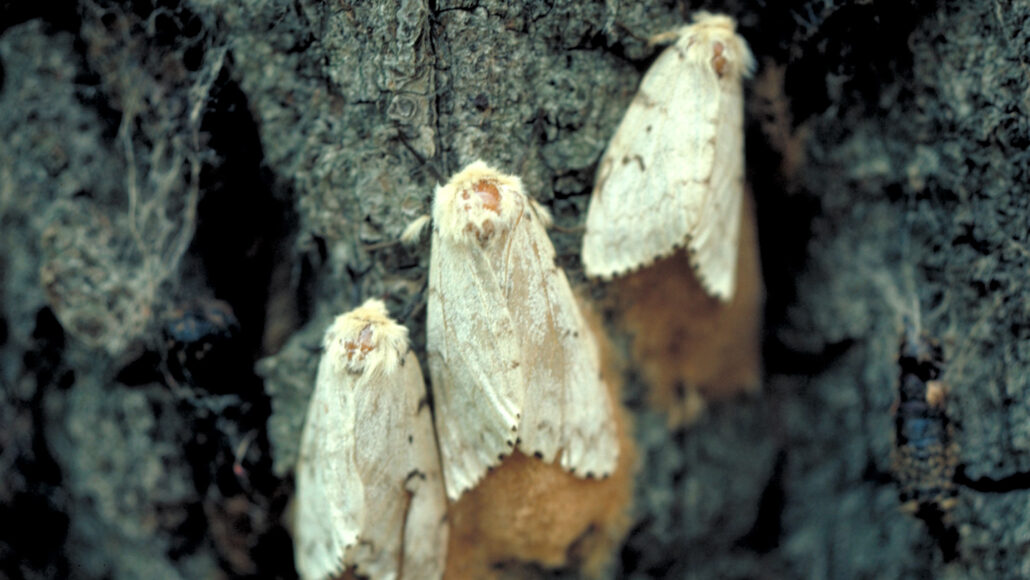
column 644, row 100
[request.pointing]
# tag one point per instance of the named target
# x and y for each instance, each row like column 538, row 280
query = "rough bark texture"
column 158, row 155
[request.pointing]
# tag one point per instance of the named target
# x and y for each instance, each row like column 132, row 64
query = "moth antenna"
column 615, row 24
column 421, row 158
column 413, row 232
column 569, row 229
column 542, row 213
column 381, row 245
column 661, row 38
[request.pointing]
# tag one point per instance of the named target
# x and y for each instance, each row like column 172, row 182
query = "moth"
column 673, row 174
column 925, row 458
column 370, row 498
column 512, row 360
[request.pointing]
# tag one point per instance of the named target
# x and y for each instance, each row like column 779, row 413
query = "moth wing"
column 393, row 446
column 330, row 494
column 568, row 408
column 425, row 530
column 474, row 362
column 653, row 178
column 715, row 239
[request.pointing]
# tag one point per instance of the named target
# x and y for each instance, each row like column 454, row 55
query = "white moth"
column 513, row 362
column 369, row 493
column 673, row 175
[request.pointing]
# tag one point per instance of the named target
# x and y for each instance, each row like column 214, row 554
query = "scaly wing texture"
column 653, row 179
column 394, row 447
column 478, row 385
column 714, row 241
column 568, row 411
column 426, row 529
column 330, row 495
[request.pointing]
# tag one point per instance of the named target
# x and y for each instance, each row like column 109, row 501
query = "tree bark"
column 164, row 163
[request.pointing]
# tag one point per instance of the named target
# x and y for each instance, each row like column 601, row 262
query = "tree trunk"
column 189, row 192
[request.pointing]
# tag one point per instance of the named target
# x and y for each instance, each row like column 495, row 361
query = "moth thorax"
column 718, row 60
column 357, row 348
column 489, row 195
column 479, row 201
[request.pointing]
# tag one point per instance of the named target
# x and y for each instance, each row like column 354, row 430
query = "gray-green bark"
column 263, row 152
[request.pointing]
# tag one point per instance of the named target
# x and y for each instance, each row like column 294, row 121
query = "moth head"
column 477, row 204
column 712, row 41
column 366, row 340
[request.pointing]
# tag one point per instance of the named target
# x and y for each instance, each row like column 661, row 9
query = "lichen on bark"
column 886, row 147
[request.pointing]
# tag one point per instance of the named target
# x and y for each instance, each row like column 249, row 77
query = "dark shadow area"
column 865, row 45
column 1015, row 482
column 241, row 235
column 942, row 531
column 35, row 517
column 58, row 14
column 211, row 339
column 637, row 559
column 764, row 536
